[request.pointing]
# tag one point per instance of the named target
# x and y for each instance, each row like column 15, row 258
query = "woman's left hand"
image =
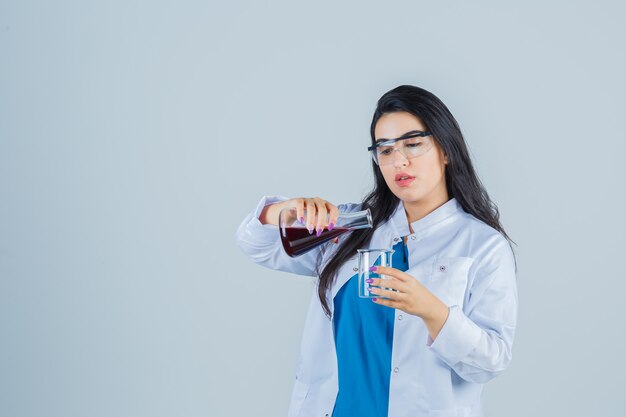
column 412, row 296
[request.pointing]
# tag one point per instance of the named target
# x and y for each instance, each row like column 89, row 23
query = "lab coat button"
column 413, row 237
column 399, row 316
column 442, row 268
column 355, row 269
column 396, row 369
column 395, row 239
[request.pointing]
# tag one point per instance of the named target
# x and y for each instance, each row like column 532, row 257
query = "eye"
column 415, row 143
column 385, row 152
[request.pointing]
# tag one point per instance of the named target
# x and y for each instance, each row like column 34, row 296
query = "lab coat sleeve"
column 261, row 243
column 476, row 343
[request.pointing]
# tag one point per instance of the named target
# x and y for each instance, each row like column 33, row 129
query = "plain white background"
column 135, row 136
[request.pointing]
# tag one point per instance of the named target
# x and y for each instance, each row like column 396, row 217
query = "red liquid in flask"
column 298, row 240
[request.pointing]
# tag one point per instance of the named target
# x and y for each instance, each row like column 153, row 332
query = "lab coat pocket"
column 442, row 413
column 458, row 412
column 449, row 279
column 300, row 391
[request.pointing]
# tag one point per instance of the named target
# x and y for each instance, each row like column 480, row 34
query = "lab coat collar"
column 426, row 224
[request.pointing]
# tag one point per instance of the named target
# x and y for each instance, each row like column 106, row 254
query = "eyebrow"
column 401, row 137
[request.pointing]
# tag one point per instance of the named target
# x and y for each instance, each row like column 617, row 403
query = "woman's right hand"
column 317, row 212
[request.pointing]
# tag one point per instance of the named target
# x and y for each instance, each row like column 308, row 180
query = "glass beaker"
column 371, row 257
column 297, row 239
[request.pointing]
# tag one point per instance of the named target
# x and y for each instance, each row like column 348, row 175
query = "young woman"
column 427, row 348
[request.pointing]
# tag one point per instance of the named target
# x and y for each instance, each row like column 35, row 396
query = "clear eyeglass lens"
column 409, row 148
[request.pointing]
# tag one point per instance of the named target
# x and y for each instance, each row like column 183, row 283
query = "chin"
column 407, row 195
column 412, row 199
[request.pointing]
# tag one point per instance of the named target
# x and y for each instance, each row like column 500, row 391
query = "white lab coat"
column 463, row 261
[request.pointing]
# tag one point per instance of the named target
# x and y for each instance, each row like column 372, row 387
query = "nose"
column 399, row 158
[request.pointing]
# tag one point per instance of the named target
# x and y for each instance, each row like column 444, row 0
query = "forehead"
column 394, row 125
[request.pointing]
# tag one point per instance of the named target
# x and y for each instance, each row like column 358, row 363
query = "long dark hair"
column 461, row 179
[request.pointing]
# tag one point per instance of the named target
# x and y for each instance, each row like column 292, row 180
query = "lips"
column 404, row 176
column 404, row 180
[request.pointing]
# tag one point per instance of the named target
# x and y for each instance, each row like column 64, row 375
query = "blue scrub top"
column 363, row 340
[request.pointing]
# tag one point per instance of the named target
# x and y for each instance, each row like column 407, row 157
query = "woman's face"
column 429, row 185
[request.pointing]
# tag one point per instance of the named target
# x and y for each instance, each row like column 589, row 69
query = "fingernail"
column 319, row 232
column 310, row 229
column 372, row 268
column 301, row 219
column 330, row 226
column 369, row 280
column 374, row 299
